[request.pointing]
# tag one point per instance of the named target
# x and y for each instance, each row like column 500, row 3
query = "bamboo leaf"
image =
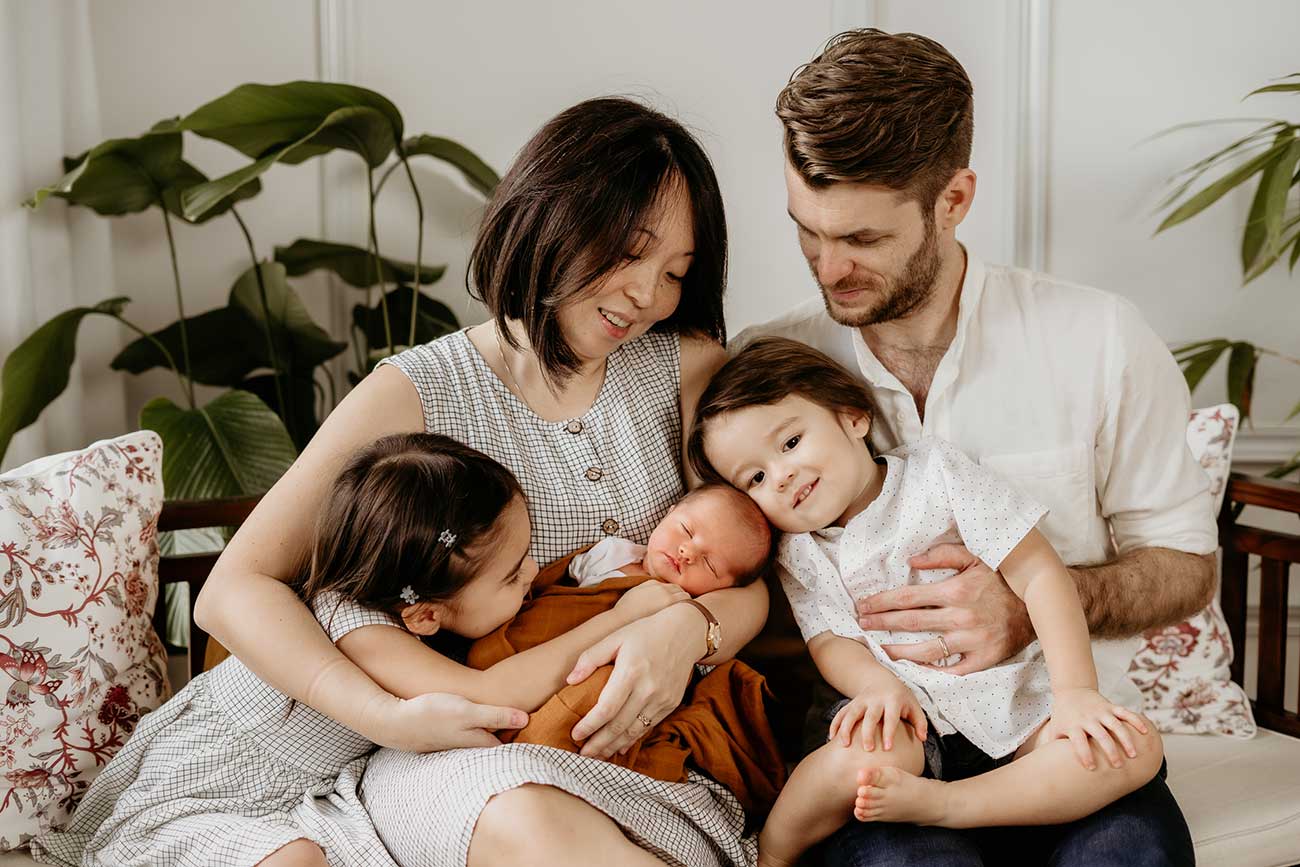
column 38, row 369
column 480, row 175
column 1285, row 469
column 1215, row 191
column 1294, row 412
column 1241, row 376
column 1196, row 366
column 1295, row 254
column 1275, row 184
column 354, row 265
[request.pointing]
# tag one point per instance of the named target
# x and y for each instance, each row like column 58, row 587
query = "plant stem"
column 379, row 273
column 180, row 306
column 419, row 244
column 266, row 311
column 171, row 362
column 1277, row 354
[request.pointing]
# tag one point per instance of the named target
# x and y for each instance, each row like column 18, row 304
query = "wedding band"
column 943, row 645
column 644, row 720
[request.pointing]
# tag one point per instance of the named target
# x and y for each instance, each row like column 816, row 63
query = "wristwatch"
column 713, row 637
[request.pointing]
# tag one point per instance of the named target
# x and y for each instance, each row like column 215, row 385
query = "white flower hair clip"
column 447, row 538
column 409, row 596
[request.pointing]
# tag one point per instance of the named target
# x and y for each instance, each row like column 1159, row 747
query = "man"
column 1061, row 388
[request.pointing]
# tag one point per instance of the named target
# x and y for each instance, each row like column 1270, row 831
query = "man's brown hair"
column 893, row 109
column 768, row 371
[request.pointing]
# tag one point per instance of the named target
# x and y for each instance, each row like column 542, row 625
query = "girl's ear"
column 424, row 618
column 858, row 424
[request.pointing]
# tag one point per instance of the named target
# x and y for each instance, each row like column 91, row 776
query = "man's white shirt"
column 1068, row 394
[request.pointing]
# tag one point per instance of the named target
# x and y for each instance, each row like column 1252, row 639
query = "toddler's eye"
column 756, row 479
column 792, row 442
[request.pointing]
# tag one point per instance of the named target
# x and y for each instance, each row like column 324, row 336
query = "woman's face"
column 644, row 290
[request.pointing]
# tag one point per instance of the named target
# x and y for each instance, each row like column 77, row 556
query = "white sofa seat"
column 1241, row 797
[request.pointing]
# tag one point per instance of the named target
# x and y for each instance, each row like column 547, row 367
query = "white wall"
column 1110, row 75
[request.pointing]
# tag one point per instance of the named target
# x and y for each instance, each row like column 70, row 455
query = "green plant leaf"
column 1270, row 255
column 1193, row 172
column 1295, row 254
column 118, row 176
column 1216, row 190
column 225, row 346
column 233, row 446
column 1277, row 88
column 1294, row 412
column 433, row 319
column 480, row 175
column 1285, row 469
column 1196, row 365
column 300, row 403
column 1275, row 184
column 354, row 265
column 38, row 369
column 1241, row 376
column 188, row 177
column 299, row 341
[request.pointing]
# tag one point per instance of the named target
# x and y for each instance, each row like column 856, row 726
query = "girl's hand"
column 440, row 721
column 649, row 597
column 653, row 659
column 1079, row 714
column 884, row 704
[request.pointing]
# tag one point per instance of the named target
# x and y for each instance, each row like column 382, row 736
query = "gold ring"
column 644, row 720
column 943, row 645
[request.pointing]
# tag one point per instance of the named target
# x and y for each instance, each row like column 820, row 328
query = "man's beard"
column 909, row 293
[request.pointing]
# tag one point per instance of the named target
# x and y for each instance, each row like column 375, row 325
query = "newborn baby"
column 714, row 537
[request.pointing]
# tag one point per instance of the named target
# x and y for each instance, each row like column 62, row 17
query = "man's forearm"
column 1144, row 589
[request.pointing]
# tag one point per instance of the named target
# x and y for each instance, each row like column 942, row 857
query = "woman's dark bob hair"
column 567, row 212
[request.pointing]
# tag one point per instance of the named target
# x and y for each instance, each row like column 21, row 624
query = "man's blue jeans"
column 1144, row 828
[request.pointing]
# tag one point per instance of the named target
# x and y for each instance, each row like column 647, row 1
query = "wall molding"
column 1263, row 448
column 1028, row 88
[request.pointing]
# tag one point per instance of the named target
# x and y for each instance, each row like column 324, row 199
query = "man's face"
column 874, row 254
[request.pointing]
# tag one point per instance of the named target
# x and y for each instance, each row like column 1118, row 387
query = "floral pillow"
column 79, row 660
column 1182, row 670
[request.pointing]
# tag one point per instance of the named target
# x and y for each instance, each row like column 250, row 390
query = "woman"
column 602, row 260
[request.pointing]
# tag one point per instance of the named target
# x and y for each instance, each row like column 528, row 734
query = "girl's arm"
column 1034, row 571
column 247, row 606
column 402, row 664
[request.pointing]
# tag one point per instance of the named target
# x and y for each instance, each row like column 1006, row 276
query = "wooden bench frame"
column 780, row 654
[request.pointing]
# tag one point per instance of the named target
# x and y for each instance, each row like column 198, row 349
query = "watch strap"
column 713, row 637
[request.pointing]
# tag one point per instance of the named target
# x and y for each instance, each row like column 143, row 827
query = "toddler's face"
column 700, row 546
column 804, row 465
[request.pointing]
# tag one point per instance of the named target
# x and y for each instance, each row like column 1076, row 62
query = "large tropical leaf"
column 300, row 343
column 233, row 446
column 433, row 318
column 225, row 346
column 38, row 369
column 290, row 123
column 478, row 173
column 353, row 265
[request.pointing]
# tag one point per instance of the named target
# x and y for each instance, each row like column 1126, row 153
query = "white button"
column 574, row 427
column 594, row 474
column 610, row 526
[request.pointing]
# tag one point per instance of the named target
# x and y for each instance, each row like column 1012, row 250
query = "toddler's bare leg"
column 818, row 798
column 1045, row 785
column 299, row 853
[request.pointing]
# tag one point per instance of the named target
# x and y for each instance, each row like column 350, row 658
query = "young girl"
column 787, row 425
column 419, row 533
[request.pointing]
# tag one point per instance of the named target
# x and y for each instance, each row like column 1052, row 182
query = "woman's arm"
column 247, row 606
column 1034, row 571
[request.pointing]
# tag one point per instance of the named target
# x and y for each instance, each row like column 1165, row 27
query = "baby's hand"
column 1080, row 714
column 885, row 704
column 649, row 597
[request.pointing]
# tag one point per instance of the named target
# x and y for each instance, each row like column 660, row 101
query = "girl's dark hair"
column 766, row 372
column 391, row 514
column 567, row 212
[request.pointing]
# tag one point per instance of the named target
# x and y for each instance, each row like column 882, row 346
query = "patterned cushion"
column 79, row 659
column 1182, row 670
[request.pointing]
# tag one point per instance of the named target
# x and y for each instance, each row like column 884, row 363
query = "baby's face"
column 700, row 546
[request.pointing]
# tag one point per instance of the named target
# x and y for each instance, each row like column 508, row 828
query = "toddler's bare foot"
column 893, row 795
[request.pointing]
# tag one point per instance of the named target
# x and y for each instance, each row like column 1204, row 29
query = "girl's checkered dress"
column 613, row 471
column 225, row 774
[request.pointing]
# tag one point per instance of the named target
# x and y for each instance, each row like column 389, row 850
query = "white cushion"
column 1241, row 797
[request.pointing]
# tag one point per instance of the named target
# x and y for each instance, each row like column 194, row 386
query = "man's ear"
column 955, row 201
column 424, row 618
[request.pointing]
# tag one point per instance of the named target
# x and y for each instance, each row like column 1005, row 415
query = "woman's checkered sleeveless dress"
column 614, row 470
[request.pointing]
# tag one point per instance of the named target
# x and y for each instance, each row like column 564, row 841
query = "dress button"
column 610, row 526
column 594, row 474
column 574, row 427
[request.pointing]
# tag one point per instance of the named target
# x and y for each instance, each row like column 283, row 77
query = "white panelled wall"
column 1067, row 95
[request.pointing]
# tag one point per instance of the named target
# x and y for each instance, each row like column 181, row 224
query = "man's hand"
column 975, row 611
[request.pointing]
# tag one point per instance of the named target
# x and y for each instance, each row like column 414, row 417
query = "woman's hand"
column 885, row 703
column 649, row 597
column 1079, row 714
column 653, row 659
column 438, row 721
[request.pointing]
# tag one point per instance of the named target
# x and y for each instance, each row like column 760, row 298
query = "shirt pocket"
column 1061, row 480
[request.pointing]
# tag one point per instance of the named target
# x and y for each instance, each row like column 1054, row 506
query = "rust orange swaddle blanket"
column 721, row 726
